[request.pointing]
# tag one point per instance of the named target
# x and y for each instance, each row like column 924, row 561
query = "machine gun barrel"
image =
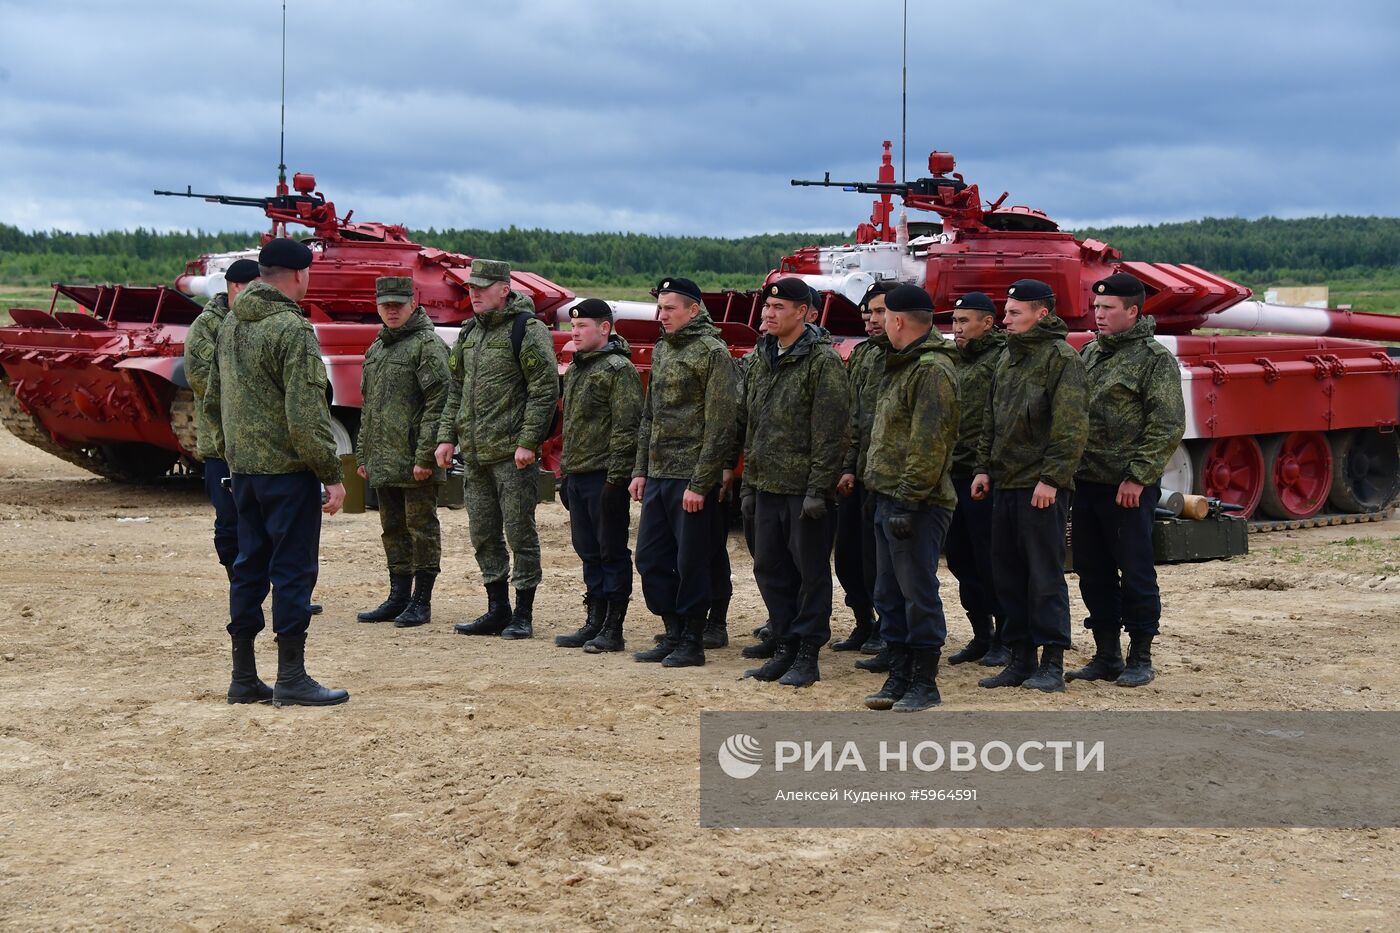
column 232, row 199
column 865, row 187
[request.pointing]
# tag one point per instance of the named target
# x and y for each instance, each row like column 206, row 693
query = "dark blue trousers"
column 1028, row 546
column 599, row 522
column 969, row 553
column 279, row 539
column 674, row 550
column 792, row 567
column 855, row 549
column 225, row 512
column 1113, row 557
column 906, row 577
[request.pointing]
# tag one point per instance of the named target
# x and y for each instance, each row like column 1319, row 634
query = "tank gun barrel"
column 1289, row 319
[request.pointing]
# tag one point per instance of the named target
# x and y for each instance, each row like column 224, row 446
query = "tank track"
column 28, row 429
column 182, row 421
column 1264, row 525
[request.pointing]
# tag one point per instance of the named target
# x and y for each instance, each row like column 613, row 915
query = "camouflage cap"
column 393, row 289
column 488, row 272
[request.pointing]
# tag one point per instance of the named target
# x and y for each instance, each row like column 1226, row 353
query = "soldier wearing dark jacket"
column 1136, row 419
column 200, row 344
column 268, row 392
column 683, row 441
column 969, row 544
column 500, row 404
column 908, row 473
column 1035, row 431
column 602, row 407
column 793, row 410
column 404, row 387
column 855, row 529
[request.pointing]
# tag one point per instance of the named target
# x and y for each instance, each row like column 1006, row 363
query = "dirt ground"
column 475, row 783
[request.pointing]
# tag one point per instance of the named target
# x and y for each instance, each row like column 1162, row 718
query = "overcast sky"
column 666, row 117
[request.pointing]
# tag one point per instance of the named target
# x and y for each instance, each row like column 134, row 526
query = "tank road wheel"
column 1230, row 469
column 1365, row 469
column 1298, row 474
column 1179, row 476
column 182, row 421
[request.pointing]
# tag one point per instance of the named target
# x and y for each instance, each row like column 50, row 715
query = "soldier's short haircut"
column 919, row 317
column 1047, row 303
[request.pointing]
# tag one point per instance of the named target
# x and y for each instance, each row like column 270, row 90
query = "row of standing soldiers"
column 914, row 449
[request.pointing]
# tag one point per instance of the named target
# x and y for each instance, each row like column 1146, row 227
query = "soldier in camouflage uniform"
column 908, row 471
column 1136, row 418
column 683, row 442
column 1035, row 430
column 404, row 387
column 602, row 407
column 500, row 404
column 793, row 409
column 200, row 344
column 855, row 528
column 969, row 544
column 268, row 392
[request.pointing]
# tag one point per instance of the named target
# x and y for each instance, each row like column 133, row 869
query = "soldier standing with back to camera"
column 685, row 435
column 793, row 409
column 1033, row 437
column 268, row 390
column 404, row 387
column 1136, row 418
column 602, row 407
column 200, row 345
column 500, row 403
column 969, row 544
column 911, row 449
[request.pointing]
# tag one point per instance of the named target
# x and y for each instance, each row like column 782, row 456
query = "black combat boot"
column 690, row 650
column 901, row 660
column 497, row 615
column 594, row 608
column 1021, row 666
column 522, row 621
column 998, row 652
column 762, row 650
column 976, row 649
column 246, row 686
column 880, row 663
column 874, row 644
column 675, row 627
column 1139, row 671
column 294, row 686
column 865, row 624
column 1107, row 662
column 420, row 607
column 784, row 654
column 1050, row 676
column 717, row 625
column 400, row 589
column 609, row 638
column 804, row 671
column 923, row 682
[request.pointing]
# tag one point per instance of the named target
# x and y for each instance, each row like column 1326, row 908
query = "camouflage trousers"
column 411, row 534
column 501, row 509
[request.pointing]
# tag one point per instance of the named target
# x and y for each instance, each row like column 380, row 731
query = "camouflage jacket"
column 1035, row 420
column 1136, row 412
column 496, row 403
column 687, row 426
column 200, row 344
column 792, row 409
column 268, row 389
column 916, row 425
column 863, row 370
column 602, row 406
column 404, row 385
column 976, row 363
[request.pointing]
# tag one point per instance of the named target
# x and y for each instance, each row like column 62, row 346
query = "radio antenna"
column 903, row 103
column 282, row 133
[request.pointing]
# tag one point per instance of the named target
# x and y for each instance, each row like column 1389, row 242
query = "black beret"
column 875, row 289
column 1030, row 290
column 1120, row 285
column 680, row 286
column 788, row 288
column 908, row 298
column 816, row 299
column 285, row 253
column 595, row 308
column 241, row 272
column 976, row 301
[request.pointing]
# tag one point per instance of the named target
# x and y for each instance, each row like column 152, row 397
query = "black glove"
column 814, row 507
column 901, row 525
column 564, row 493
column 746, row 504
